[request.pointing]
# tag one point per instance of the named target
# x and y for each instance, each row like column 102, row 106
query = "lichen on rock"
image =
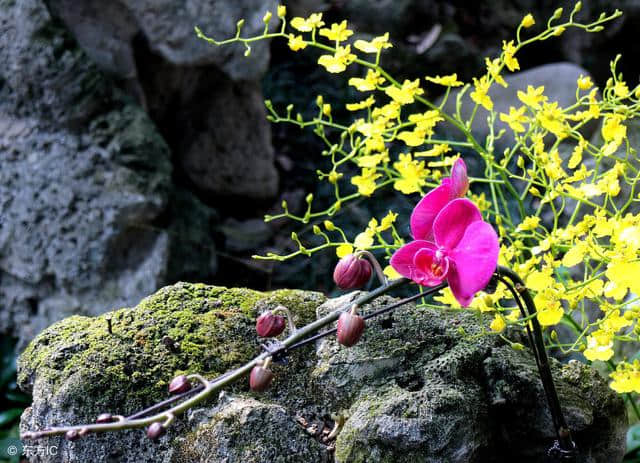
column 184, row 328
column 421, row 386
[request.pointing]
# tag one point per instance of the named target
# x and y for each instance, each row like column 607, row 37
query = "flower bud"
column 350, row 328
column 104, row 418
column 72, row 435
column 179, row 384
column 260, row 378
column 269, row 324
column 352, row 272
column 155, row 430
column 459, row 178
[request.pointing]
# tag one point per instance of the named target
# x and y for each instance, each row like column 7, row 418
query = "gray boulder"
column 205, row 99
column 421, row 386
column 83, row 173
column 106, row 32
column 558, row 79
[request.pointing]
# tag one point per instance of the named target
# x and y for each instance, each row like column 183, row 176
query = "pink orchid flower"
column 452, row 242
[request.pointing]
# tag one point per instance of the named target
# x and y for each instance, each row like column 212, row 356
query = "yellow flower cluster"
column 626, row 378
column 566, row 207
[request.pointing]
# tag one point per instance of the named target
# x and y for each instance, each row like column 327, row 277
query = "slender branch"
column 564, row 447
column 208, row 387
column 385, row 309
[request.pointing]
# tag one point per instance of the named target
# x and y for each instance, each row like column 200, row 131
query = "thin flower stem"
column 375, row 264
column 292, row 325
column 525, row 302
column 138, row 420
column 385, row 309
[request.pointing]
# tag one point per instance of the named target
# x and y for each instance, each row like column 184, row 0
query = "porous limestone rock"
column 83, row 175
column 107, row 32
column 421, row 386
column 206, row 99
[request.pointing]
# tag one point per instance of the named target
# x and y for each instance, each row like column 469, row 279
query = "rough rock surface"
column 205, row 99
column 83, row 172
column 107, row 31
column 415, row 389
column 91, row 217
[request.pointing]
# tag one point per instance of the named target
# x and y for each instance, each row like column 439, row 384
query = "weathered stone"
column 243, row 430
column 243, row 236
column 213, row 330
column 216, row 128
column 414, row 389
column 229, row 152
column 83, row 173
column 192, row 251
column 106, row 32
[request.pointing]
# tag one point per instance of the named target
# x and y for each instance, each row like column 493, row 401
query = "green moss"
column 211, row 327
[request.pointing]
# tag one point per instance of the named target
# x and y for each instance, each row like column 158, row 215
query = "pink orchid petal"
column 459, row 179
column 402, row 259
column 474, row 260
column 426, row 211
column 451, row 223
column 455, row 283
column 433, row 269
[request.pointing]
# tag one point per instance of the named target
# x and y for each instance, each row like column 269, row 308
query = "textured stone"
column 83, row 173
column 245, row 430
column 413, row 390
column 229, row 152
column 106, row 32
column 213, row 329
column 192, row 251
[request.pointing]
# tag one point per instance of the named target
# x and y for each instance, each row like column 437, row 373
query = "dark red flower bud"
column 260, row 378
column 155, row 430
column 350, row 328
column 352, row 272
column 269, row 324
column 72, row 435
column 179, row 384
column 104, row 418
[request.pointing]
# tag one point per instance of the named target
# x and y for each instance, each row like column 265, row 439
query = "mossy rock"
column 184, row 328
column 423, row 385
